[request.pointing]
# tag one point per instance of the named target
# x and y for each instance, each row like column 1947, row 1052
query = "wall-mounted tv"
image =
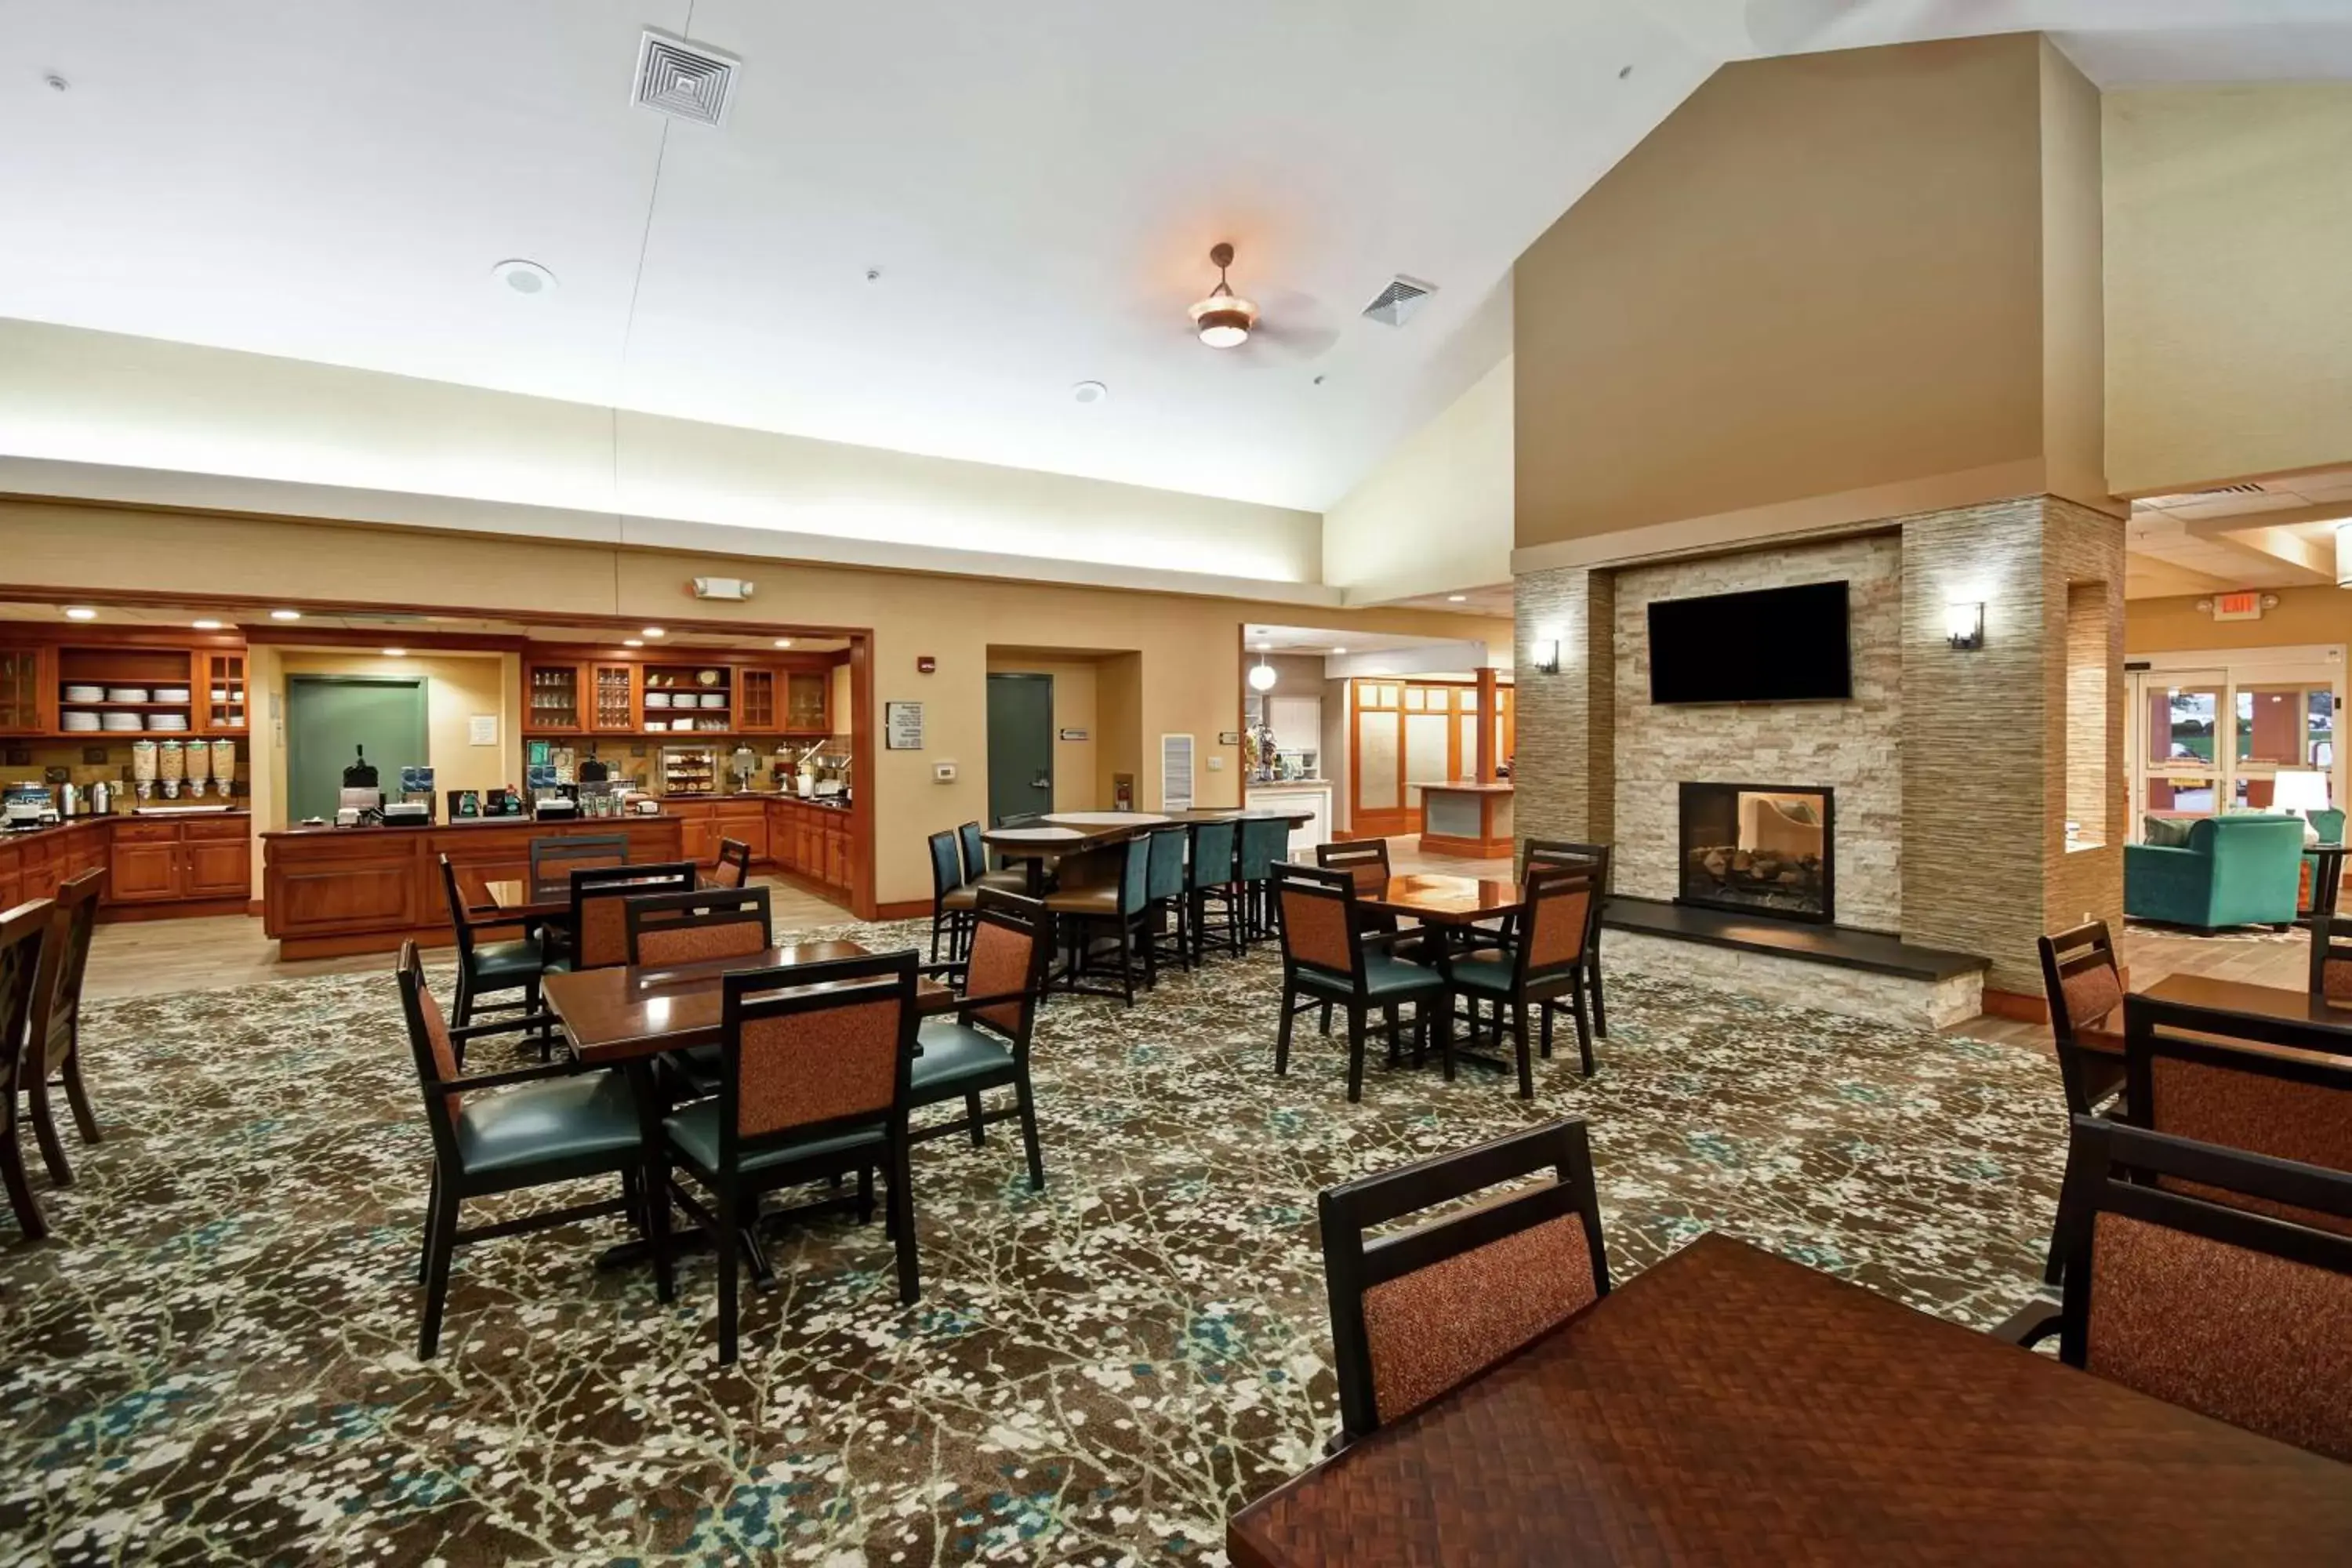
column 1773, row 645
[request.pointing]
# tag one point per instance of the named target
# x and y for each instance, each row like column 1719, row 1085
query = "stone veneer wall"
column 2082, row 590
column 1854, row 747
column 1566, row 767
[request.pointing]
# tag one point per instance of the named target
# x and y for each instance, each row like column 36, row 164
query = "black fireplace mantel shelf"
column 1842, row 947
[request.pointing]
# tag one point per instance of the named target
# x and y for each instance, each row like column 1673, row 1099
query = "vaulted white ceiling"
column 1036, row 185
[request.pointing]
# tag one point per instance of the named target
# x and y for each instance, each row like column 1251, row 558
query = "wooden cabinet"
column 808, row 696
column 551, row 697
column 755, row 701
column 615, row 691
column 153, row 862
column 220, row 692
column 215, row 859
column 26, row 683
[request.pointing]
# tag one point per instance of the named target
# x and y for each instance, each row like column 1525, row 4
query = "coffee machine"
column 26, row 806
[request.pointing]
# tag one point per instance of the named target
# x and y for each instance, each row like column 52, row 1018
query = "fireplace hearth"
column 1764, row 849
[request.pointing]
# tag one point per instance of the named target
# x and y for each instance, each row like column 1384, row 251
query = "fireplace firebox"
column 1766, row 849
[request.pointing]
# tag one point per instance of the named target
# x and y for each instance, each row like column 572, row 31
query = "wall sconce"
column 1547, row 656
column 1964, row 626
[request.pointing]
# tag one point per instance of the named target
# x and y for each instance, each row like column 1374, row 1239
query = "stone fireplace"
column 1767, row 850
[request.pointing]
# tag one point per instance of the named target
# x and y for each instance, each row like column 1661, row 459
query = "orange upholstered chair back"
column 428, row 1035
column 2290, row 1105
column 698, row 927
column 1319, row 925
column 1417, row 1314
column 810, row 1045
column 1559, row 914
column 2331, row 959
column 1005, row 963
column 2226, row 1310
column 600, row 923
column 1364, row 859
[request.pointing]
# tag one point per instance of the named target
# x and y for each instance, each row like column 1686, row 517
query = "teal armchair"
column 2242, row 869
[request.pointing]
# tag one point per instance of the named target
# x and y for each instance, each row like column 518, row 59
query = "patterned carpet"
column 212, row 1359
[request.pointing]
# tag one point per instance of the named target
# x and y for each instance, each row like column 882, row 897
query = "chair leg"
column 1390, row 1025
column 1028, row 1101
column 1282, row 1038
column 75, row 1095
column 1151, row 950
column 935, row 935
column 971, row 1114
column 440, row 1241
column 1326, row 1025
column 432, row 1207
column 865, row 1194
column 1583, row 1029
column 1355, row 1054
column 730, row 1264
column 656, row 1182
column 464, row 1009
column 1599, row 1002
column 902, row 1214
column 45, row 1130
column 1519, row 1035
column 1543, row 1041
column 1125, row 962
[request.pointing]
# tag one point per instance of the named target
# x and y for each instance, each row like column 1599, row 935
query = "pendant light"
column 1224, row 319
column 1261, row 675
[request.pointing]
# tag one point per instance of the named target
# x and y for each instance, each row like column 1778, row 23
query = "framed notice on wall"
column 902, row 726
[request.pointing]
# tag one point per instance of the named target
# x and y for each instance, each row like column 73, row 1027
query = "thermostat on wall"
column 943, row 772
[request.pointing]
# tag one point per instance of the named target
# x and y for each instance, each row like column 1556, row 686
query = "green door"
column 1020, row 745
column 330, row 717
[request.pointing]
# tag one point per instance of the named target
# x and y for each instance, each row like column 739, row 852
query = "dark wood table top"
column 525, row 899
column 1436, row 900
column 1729, row 1406
column 615, row 1015
column 1076, row 832
column 2270, row 1013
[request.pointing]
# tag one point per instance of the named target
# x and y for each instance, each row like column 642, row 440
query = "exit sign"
column 2245, row 607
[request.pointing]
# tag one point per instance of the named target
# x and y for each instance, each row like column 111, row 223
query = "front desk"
column 1466, row 819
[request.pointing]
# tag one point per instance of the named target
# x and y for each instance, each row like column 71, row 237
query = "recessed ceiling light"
column 55, row 82
column 285, row 614
column 633, row 642
column 525, row 278
column 209, row 626
column 1090, row 392
column 1624, row 71
column 1339, row 650
column 80, row 613
column 1457, row 598
column 395, row 653
column 653, row 632
column 783, row 642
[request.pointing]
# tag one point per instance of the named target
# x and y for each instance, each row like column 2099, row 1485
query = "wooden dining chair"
column 1326, row 956
column 985, row 1044
column 599, row 919
column 2183, row 1281
column 1265, row 843
column 53, row 1041
column 2331, row 958
column 1416, row 1314
column 952, row 898
column 2288, row 1104
column 1210, row 879
column 557, row 856
column 24, row 935
column 733, row 869
column 1006, row 879
column 1168, row 911
column 487, row 967
column 1566, row 852
column 814, row 1083
column 697, row 925
column 2085, row 986
column 1541, row 965
column 548, row 1124
column 1084, row 913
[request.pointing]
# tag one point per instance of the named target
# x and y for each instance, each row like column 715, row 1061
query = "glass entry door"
column 2210, row 737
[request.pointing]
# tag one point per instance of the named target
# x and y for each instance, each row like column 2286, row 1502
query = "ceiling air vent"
column 1398, row 302
column 683, row 80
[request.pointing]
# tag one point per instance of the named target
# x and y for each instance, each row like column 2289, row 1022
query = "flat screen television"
column 1771, row 644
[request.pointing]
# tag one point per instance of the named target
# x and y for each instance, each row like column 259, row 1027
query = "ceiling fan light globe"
column 1224, row 319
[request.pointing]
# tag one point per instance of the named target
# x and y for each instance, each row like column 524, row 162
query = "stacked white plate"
column 126, row 694
column 80, row 723
column 656, row 698
column 656, row 726
column 714, row 700
column 85, row 693
column 167, row 720
column 120, row 721
column 171, row 694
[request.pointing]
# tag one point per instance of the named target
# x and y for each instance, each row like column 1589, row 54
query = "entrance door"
column 330, row 717
column 1020, row 745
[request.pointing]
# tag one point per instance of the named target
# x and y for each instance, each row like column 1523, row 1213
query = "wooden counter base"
column 1468, row 819
column 328, row 891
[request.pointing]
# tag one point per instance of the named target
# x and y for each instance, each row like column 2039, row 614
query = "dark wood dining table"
column 2272, row 1014
column 1434, row 898
column 522, row 898
column 1729, row 1406
column 626, row 1013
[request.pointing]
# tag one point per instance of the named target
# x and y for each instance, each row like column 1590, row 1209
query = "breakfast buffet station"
column 126, row 750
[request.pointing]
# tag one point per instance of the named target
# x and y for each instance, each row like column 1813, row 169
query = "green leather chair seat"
column 508, row 962
column 538, row 1123
column 697, row 1068
column 694, row 1133
column 1386, row 979
column 1488, row 972
column 952, row 1052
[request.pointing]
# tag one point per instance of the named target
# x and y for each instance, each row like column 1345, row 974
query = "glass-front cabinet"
column 223, row 689
column 2246, row 729
column 805, row 698
column 616, row 687
column 551, row 697
column 24, row 690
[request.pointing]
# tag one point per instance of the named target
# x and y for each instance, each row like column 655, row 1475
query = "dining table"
column 2239, row 1009
column 1441, row 900
column 1071, row 841
column 536, row 899
column 1729, row 1406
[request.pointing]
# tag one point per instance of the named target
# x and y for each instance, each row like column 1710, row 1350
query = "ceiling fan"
column 1224, row 319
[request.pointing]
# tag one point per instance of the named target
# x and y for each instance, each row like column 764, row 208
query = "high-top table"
column 1068, row 836
column 1729, row 1406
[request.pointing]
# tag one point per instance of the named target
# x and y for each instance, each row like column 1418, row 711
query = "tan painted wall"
column 1187, row 671
column 2229, row 222
column 2303, row 616
column 1436, row 515
column 1077, row 784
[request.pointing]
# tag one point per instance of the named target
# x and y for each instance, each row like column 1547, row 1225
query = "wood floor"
column 162, row 958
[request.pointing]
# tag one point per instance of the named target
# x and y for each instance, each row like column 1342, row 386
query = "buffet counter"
column 1466, row 817
column 159, row 864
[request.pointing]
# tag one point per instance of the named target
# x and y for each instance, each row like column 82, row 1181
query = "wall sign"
column 1074, row 734
column 1229, row 737
column 902, row 726
column 925, row 663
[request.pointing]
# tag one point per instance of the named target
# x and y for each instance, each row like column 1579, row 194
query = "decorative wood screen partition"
column 1403, row 734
